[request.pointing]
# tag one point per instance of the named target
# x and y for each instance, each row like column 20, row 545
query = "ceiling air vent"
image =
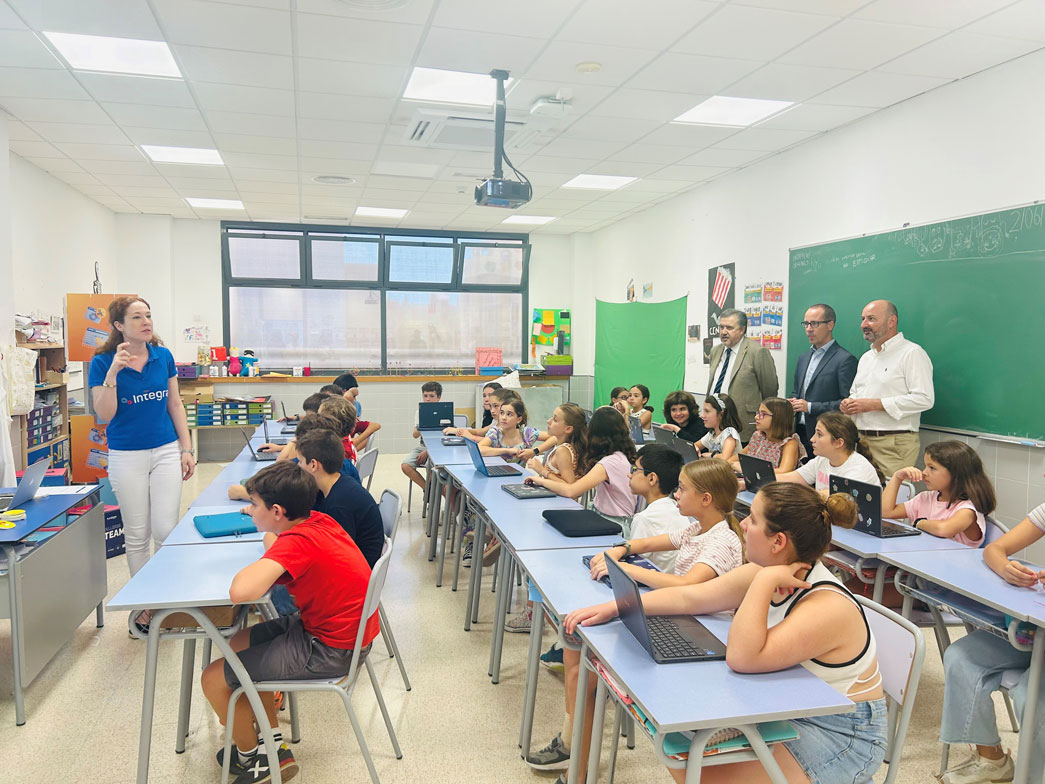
column 457, row 131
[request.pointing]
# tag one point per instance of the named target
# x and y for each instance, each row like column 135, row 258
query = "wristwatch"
column 536, row 449
column 626, row 546
column 189, row 451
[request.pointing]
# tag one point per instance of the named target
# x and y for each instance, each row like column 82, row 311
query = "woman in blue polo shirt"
column 134, row 387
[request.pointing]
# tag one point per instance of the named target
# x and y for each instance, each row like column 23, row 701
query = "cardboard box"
column 56, row 377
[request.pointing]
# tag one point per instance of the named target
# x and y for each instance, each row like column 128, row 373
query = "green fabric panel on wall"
column 640, row 343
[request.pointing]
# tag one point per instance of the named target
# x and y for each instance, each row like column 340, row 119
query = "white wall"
column 6, row 268
column 965, row 148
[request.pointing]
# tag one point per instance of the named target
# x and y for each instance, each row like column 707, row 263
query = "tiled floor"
column 84, row 709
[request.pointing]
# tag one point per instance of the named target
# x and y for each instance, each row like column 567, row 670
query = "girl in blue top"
column 134, row 387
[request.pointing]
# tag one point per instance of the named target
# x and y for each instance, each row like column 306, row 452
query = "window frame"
column 458, row 240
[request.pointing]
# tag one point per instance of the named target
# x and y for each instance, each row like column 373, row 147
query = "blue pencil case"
column 224, row 524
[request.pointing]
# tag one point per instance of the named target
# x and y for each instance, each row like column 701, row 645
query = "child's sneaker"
column 256, row 770
column 980, row 769
column 554, row 756
column 518, row 623
column 552, row 659
column 466, row 555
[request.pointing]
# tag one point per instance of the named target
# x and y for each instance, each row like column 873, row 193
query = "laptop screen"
column 868, row 499
column 629, row 604
column 476, row 455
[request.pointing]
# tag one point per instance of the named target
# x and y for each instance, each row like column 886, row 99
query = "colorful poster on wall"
column 547, row 323
column 721, row 294
column 753, row 292
column 90, row 449
column 773, row 292
column 87, row 324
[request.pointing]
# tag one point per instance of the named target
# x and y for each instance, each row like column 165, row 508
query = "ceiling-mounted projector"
column 499, row 191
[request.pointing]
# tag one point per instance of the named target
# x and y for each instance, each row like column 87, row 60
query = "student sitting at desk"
column 790, row 610
column 568, row 430
column 511, row 438
column 310, row 406
column 775, row 439
column 620, row 399
column 491, row 407
column 973, row 668
column 327, row 574
column 839, row 451
column 638, row 399
column 958, row 494
column 431, row 392
column 724, row 426
column 682, row 416
column 345, row 413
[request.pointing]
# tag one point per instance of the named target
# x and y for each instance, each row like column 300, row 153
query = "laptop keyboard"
column 892, row 529
column 501, row 470
column 668, row 642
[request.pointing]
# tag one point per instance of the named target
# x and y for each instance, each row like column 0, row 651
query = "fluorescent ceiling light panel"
column 215, row 204
column 115, row 55
column 736, row 112
column 438, row 86
column 197, row 155
column 379, row 212
column 532, row 220
column 599, row 182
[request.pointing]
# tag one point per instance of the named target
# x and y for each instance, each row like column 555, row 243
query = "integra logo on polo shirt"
column 160, row 394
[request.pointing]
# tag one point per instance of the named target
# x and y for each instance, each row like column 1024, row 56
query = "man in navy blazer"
column 823, row 375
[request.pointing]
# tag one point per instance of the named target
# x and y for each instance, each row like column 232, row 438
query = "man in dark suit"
column 742, row 369
column 823, row 374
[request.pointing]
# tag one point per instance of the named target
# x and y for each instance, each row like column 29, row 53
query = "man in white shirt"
column 893, row 385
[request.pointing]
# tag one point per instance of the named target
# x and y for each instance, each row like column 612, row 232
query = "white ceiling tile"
column 165, row 137
column 959, row 55
column 854, row 43
column 1025, row 19
column 545, row 163
column 117, row 88
column 780, row 82
column 358, row 40
column 132, row 181
column 242, row 122
column 140, row 166
column 270, row 145
column 571, row 148
column 249, row 100
column 413, row 184
column 197, row 186
column 691, row 73
column 415, row 11
column 39, row 83
column 95, row 190
column 751, row 33
column 536, row 18
column 54, row 110
column 101, row 152
column 311, row 166
column 225, row 26
column 339, row 130
column 203, row 64
column 9, row 20
column 654, row 24
column 21, row 48
column 261, row 174
column 559, row 60
column 653, row 185
column 153, row 191
column 120, row 18
column 616, row 129
column 462, row 50
column 764, row 139
column 263, row 188
column 647, row 104
column 836, row 8
column 879, row 89
column 357, row 108
column 21, row 132
column 35, row 149
column 79, row 132
column 337, row 150
column 687, row 173
column 948, row 14
column 614, row 167
column 815, row 117
column 163, row 117
column 644, row 152
column 78, row 177
column 694, row 137
column 257, row 161
column 719, row 156
column 625, row 196
column 329, row 76
column 192, row 170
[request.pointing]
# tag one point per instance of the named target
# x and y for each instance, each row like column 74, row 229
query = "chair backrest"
column 995, row 530
column 373, row 598
column 460, row 420
column 391, row 506
column 901, row 653
column 371, row 443
column 906, row 492
column 366, row 463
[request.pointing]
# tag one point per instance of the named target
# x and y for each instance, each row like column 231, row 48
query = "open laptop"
column 680, row 445
column 667, row 638
column 261, row 457
column 433, row 416
column 488, row 470
column 289, row 427
column 757, row 472
column 528, row 491
column 868, row 499
column 635, row 427
column 30, row 482
column 663, row 437
column 276, row 441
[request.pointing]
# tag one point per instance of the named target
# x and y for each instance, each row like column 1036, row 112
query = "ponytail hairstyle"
column 607, row 433
column 681, row 398
column 798, row 511
column 715, row 477
column 117, row 313
column 573, row 416
column 503, row 395
column 727, row 410
column 643, row 390
column 969, row 481
column 838, row 425
column 783, row 425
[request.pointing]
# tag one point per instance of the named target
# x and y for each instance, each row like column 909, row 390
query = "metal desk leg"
column 1022, row 774
column 149, row 694
column 596, row 732
column 14, row 591
column 188, row 659
column 578, row 718
column 99, row 615
column 879, row 583
column 435, row 506
column 532, row 670
column 459, row 537
column 471, row 608
column 451, row 513
column 507, row 568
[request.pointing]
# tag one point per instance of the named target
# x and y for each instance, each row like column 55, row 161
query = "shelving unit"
column 46, row 433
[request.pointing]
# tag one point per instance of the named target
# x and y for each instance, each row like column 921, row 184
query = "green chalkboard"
column 970, row 291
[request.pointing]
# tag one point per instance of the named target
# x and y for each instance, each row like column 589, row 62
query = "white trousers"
column 147, row 483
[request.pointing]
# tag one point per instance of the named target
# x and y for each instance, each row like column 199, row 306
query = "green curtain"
column 640, row 343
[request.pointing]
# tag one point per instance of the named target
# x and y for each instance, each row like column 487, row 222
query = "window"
column 361, row 299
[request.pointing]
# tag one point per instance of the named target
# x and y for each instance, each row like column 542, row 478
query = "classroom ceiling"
column 288, row 90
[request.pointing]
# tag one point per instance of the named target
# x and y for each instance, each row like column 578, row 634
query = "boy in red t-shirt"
column 327, row 575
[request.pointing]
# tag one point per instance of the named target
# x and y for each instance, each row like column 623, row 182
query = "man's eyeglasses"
column 813, row 324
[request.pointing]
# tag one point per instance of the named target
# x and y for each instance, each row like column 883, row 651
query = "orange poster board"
column 86, row 324
column 90, row 460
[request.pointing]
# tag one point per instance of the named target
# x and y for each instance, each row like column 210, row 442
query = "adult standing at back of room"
column 893, row 386
column 134, row 387
column 741, row 368
column 823, row 375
